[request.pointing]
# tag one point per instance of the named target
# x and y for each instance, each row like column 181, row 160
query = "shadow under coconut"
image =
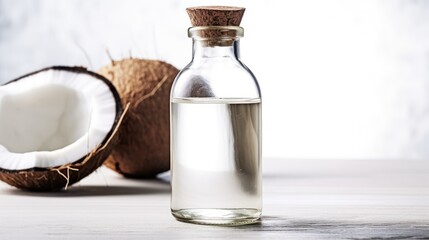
column 149, row 187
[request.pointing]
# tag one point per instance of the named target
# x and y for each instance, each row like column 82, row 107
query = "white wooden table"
column 304, row 199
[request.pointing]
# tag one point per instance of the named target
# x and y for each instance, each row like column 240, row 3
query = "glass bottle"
column 216, row 133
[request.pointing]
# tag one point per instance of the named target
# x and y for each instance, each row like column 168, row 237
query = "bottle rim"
column 215, row 32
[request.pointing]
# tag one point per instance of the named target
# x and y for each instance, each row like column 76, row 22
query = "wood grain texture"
column 305, row 199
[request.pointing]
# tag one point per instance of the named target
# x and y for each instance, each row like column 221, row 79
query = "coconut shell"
column 54, row 179
column 143, row 150
column 57, row 178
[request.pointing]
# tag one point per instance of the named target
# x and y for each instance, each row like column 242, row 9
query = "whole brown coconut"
column 144, row 145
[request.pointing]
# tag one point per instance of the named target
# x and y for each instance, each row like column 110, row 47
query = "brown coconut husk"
column 57, row 178
column 143, row 150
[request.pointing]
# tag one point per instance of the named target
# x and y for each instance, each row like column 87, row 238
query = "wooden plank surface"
column 306, row 199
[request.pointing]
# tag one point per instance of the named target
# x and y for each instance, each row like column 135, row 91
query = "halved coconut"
column 57, row 125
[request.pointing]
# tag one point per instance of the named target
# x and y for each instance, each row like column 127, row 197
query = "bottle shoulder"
column 219, row 78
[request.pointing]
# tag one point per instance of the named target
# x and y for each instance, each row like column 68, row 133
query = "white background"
column 340, row 79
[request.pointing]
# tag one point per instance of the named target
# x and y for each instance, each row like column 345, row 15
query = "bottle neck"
column 204, row 49
column 211, row 42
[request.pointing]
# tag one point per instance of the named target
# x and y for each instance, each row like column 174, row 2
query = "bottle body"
column 216, row 139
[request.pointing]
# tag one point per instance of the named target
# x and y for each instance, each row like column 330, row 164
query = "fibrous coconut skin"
column 60, row 177
column 143, row 150
column 55, row 179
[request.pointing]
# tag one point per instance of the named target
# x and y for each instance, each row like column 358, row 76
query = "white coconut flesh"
column 52, row 118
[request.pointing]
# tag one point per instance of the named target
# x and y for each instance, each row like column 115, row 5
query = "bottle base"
column 219, row 216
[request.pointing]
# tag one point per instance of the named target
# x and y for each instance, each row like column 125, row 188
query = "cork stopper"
column 215, row 15
column 215, row 25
